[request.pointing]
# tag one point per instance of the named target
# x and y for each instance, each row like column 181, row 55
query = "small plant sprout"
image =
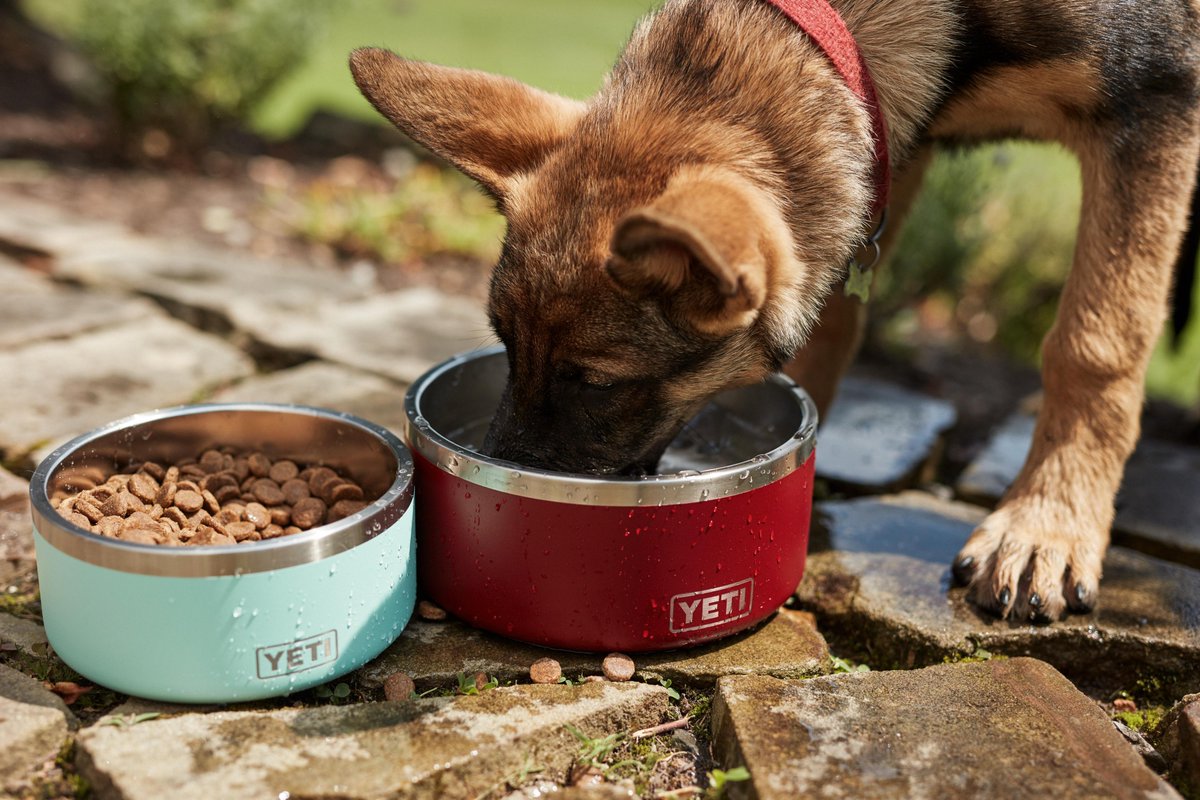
column 719, row 780
column 844, row 665
column 336, row 694
column 133, row 719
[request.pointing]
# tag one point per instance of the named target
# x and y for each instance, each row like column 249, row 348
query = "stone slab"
column 326, row 385
column 1002, row 729
column 1158, row 507
column 33, row 724
column 878, row 578
column 57, row 312
column 28, row 636
column 57, row 389
column 1177, row 738
column 397, row 334
column 986, row 478
column 430, row 748
column 433, row 653
column 37, row 226
column 17, row 560
column 878, row 437
column 14, row 492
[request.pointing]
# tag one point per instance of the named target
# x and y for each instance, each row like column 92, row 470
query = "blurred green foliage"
column 188, row 67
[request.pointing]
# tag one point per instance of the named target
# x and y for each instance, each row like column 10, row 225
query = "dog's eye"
column 597, row 386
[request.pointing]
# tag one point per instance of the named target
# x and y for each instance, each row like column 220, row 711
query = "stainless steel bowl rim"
column 591, row 490
column 222, row 560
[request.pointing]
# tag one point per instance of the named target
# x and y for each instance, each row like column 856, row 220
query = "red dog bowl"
column 579, row 562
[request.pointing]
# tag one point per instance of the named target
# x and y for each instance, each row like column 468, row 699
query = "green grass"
column 564, row 47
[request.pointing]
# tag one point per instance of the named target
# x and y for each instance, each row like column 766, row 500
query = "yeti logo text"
column 283, row 659
column 711, row 607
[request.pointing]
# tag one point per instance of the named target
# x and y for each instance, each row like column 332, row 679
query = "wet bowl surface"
column 237, row 622
column 708, row 547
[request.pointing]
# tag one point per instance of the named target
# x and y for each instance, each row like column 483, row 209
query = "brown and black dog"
column 685, row 230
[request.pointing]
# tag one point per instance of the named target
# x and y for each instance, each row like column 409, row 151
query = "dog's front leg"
column 1040, row 552
column 820, row 364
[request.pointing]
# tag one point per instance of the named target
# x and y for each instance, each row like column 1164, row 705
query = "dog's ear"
column 704, row 248
column 489, row 126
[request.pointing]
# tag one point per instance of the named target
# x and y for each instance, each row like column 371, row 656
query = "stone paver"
column 433, row 653
column 1177, row 738
column 57, row 389
column 878, row 577
column 54, row 312
column 33, row 725
column 878, row 437
column 28, row 636
column 397, row 334
column 1002, row 729
column 987, row 477
column 1158, row 507
column 436, row 747
column 14, row 492
column 326, row 385
column 16, row 546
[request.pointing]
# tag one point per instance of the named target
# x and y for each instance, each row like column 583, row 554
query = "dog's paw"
column 1027, row 563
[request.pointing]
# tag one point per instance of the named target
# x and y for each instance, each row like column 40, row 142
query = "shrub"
column 192, row 67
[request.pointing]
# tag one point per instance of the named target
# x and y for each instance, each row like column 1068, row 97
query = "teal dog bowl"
column 208, row 624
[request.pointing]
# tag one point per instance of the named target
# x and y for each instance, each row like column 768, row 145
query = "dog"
column 688, row 228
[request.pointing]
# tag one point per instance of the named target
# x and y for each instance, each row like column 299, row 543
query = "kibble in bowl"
column 213, row 553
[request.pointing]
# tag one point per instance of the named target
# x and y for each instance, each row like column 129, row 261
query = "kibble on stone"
column 618, row 667
column 430, row 612
column 545, row 670
column 398, row 687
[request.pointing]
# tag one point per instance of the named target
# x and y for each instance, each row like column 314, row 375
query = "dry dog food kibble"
column 222, row 497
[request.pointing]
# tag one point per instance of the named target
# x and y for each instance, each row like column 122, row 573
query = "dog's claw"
column 1035, row 600
column 964, row 570
column 1005, row 596
column 1082, row 600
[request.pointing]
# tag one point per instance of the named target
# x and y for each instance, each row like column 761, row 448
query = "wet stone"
column 1158, row 507
column 33, row 725
column 58, row 389
column 1177, row 738
column 987, row 477
column 433, row 747
column 423, row 326
column 433, row 653
column 879, row 437
column 998, row 729
column 878, row 579
column 326, row 385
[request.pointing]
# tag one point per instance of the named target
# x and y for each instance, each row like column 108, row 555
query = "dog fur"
column 686, row 229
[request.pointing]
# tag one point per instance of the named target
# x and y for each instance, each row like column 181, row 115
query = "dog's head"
column 643, row 270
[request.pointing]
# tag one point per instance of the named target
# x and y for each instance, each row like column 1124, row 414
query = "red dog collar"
column 825, row 27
